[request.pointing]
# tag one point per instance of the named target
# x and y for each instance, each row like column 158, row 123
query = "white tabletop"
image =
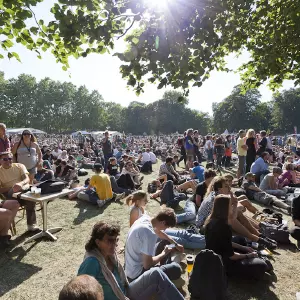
column 46, row 197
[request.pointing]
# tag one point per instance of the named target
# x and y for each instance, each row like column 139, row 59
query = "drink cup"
column 190, row 263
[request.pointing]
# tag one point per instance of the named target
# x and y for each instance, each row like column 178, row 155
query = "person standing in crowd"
column 209, row 148
column 242, row 152
column 228, row 151
column 269, row 147
column 197, row 143
column 189, row 147
column 81, row 140
column 219, row 149
column 28, row 153
column 180, row 144
column 4, row 141
column 263, row 143
column 107, row 149
column 251, row 143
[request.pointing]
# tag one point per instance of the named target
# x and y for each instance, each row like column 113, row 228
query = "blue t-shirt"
column 90, row 266
column 199, row 171
column 259, row 166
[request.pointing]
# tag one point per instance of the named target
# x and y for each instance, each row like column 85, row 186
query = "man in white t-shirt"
column 141, row 253
column 56, row 152
column 146, row 164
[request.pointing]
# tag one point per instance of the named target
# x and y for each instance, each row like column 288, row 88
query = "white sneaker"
column 33, row 228
column 101, row 203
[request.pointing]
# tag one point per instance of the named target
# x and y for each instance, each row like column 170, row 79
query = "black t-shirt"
column 106, row 147
column 112, row 170
column 296, row 209
column 200, row 190
column 218, row 237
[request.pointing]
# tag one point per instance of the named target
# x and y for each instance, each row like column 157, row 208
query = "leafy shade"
column 178, row 42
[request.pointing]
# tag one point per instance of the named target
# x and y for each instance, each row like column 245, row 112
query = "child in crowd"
column 137, row 202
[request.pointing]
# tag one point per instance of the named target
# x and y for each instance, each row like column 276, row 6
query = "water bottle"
column 298, row 296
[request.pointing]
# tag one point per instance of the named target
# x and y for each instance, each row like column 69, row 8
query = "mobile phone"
column 171, row 246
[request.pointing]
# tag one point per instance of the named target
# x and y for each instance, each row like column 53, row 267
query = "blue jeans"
column 186, row 239
column 153, row 282
column 209, row 153
column 189, row 214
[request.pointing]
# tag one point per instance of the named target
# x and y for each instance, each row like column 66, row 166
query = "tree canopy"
column 170, row 42
column 56, row 107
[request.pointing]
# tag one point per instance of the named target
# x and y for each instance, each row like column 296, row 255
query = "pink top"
column 285, row 175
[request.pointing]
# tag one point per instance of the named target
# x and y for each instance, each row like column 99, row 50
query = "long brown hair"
column 220, row 209
column 32, row 138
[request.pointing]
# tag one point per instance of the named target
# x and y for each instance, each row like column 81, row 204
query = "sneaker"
column 268, row 244
column 118, row 197
column 32, row 228
column 100, row 203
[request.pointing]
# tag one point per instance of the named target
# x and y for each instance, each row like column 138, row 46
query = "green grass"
column 38, row 270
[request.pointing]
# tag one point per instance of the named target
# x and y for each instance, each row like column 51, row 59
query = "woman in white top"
column 28, row 153
column 137, row 202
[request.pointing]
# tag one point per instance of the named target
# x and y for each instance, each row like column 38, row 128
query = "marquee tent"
column 20, row 130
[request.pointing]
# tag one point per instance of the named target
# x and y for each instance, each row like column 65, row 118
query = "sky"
column 101, row 72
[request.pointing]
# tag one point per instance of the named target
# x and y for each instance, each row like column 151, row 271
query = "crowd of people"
column 218, row 210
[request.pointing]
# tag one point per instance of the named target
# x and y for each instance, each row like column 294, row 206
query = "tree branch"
column 126, row 30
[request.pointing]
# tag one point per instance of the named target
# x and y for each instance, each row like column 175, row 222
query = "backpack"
column 82, row 172
column 152, row 188
column 51, row 186
column 279, row 233
column 208, row 280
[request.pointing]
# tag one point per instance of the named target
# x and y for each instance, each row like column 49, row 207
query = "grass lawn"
column 38, row 270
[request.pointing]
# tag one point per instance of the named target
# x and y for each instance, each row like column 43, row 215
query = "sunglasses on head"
column 6, row 159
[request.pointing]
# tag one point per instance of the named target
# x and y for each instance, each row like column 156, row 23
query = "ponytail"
column 138, row 195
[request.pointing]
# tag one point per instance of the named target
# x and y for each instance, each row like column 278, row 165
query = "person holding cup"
column 239, row 260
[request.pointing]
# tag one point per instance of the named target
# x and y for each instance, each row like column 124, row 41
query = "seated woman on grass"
column 239, row 260
column 101, row 262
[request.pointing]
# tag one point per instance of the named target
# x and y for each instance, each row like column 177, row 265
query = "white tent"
column 20, row 130
column 82, row 132
column 100, row 134
column 226, row 132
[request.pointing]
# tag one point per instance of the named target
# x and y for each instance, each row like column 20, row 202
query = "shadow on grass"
column 89, row 211
column 245, row 290
column 16, row 273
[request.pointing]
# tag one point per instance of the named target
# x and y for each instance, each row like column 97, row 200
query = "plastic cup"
column 33, row 189
column 190, row 263
column 38, row 192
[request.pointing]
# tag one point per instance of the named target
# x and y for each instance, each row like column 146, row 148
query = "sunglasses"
column 6, row 159
column 111, row 240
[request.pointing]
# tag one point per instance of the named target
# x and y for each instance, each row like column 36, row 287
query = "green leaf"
column 64, row 68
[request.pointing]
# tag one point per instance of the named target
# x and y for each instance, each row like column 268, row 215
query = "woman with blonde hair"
column 251, row 142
